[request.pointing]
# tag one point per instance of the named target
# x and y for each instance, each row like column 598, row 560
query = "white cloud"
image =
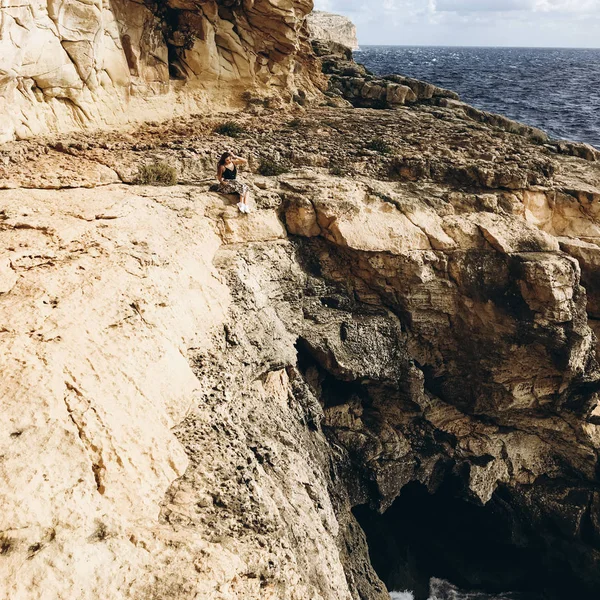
column 568, row 6
column 460, row 6
column 483, row 5
column 473, row 22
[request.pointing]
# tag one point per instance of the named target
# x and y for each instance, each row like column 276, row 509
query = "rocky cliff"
column 72, row 64
column 387, row 371
column 194, row 400
column 329, row 27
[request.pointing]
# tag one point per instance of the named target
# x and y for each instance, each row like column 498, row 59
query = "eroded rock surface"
column 75, row 64
column 195, row 399
column 330, row 27
column 142, row 457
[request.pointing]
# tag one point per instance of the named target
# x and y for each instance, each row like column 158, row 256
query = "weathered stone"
column 8, row 276
column 79, row 64
column 332, row 28
column 194, row 400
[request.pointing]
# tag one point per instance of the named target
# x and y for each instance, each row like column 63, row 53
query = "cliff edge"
column 329, row 27
column 200, row 402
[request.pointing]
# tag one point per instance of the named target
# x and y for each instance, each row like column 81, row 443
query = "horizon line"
column 479, row 46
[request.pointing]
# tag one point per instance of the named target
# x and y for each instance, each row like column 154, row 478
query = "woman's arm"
column 220, row 173
column 238, row 160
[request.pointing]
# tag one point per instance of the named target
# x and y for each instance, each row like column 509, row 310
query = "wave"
column 443, row 590
column 525, row 84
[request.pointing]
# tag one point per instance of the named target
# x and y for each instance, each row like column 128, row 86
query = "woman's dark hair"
column 223, row 158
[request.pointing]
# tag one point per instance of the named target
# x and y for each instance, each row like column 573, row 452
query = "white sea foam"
column 442, row 590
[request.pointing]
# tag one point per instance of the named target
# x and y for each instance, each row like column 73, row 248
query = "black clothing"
column 229, row 173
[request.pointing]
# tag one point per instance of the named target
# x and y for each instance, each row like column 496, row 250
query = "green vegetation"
column 270, row 167
column 230, row 129
column 380, row 145
column 158, row 173
column 338, row 170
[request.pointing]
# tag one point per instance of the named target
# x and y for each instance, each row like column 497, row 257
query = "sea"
column 555, row 89
column 442, row 590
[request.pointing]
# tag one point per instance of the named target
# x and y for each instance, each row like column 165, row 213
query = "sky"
column 540, row 23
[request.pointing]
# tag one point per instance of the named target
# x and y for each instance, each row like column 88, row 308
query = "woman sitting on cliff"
column 228, row 183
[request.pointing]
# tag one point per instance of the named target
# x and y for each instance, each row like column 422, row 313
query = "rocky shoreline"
column 203, row 404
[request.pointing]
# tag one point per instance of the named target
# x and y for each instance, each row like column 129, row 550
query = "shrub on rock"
column 338, row 170
column 230, row 129
column 380, row 145
column 270, row 167
column 158, row 173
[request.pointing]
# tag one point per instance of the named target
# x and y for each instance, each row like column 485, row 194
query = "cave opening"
column 480, row 549
column 176, row 72
column 174, row 40
column 177, row 33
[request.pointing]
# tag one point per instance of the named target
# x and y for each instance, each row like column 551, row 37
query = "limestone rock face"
column 67, row 65
column 131, row 464
column 195, row 400
column 330, row 27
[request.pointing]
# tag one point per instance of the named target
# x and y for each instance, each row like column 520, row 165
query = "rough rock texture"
column 74, row 64
column 200, row 404
column 330, row 27
column 359, row 87
column 150, row 449
column 193, row 399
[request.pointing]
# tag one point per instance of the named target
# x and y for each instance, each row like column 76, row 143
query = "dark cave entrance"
column 174, row 41
column 477, row 548
column 535, row 541
column 179, row 28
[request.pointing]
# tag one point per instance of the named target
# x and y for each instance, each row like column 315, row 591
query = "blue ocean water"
column 555, row 89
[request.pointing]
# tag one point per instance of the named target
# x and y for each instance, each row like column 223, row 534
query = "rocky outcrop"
column 153, row 446
column 74, row 64
column 195, row 401
column 359, row 87
column 329, row 27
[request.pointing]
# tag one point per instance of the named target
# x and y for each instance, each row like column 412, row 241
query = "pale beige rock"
column 168, row 361
column 301, row 219
column 586, row 253
column 76, row 64
column 377, row 229
column 547, row 286
column 8, row 276
column 252, row 227
column 563, row 214
column 99, row 426
column 330, row 27
column 348, row 216
column 103, row 294
column 464, row 232
column 432, row 225
column 511, row 235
